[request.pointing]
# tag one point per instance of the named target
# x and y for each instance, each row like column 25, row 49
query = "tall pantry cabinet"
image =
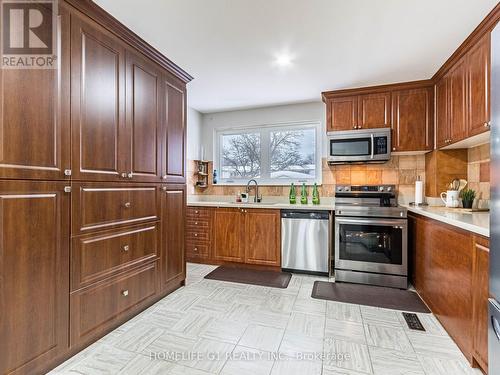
column 92, row 189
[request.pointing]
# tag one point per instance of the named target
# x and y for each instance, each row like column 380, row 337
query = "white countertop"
column 278, row 203
column 477, row 222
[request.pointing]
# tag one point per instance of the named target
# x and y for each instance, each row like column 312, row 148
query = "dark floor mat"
column 377, row 296
column 248, row 276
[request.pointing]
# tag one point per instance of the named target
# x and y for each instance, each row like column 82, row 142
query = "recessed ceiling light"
column 283, row 59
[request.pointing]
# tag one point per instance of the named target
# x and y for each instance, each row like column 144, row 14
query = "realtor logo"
column 28, row 34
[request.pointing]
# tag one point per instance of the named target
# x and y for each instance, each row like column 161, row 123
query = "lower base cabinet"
column 450, row 270
column 234, row 236
column 34, row 275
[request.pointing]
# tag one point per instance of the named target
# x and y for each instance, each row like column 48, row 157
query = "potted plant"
column 468, row 196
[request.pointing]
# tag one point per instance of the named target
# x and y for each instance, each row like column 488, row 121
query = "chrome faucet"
column 256, row 198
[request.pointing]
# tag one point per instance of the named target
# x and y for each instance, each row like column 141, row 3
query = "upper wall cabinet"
column 462, row 96
column 478, row 78
column 406, row 108
column 98, row 103
column 359, row 111
column 174, row 131
column 412, row 123
column 34, row 116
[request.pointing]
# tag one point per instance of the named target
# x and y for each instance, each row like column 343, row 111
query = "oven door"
column 372, row 245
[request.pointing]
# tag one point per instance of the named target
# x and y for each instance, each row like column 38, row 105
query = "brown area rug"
column 248, row 276
column 368, row 295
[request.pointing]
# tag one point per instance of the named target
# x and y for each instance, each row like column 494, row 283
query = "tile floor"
column 214, row 327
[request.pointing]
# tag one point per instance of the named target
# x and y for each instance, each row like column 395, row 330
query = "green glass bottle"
column 291, row 195
column 315, row 195
column 303, row 194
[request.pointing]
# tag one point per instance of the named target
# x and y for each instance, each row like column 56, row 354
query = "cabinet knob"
column 195, row 223
column 196, row 234
column 125, row 293
column 124, row 175
column 197, row 212
column 127, row 205
column 164, row 188
column 394, row 149
column 164, row 177
column 67, row 172
column 195, row 249
column 126, row 247
column 130, row 175
column 486, row 124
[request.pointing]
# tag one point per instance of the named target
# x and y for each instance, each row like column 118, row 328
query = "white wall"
column 314, row 111
column 193, row 127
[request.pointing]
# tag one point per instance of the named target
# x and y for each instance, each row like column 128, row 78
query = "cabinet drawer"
column 195, row 249
column 197, row 235
column 98, row 207
column 197, row 223
column 198, row 213
column 97, row 309
column 94, row 257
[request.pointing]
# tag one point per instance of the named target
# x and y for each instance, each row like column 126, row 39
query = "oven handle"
column 373, row 145
column 374, row 221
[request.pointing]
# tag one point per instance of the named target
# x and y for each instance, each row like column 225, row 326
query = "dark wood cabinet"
column 199, row 233
column 412, row 123
column 450, row 272
column 34, row 273
column 441, row 91
column 99, row 146
column 457, row 79
column 359, row 111
column 480, row 295
column 143, row 113
column 245, row 236
column 374, row 110
column 174, row 132
column 342, row 113
column 228, row 225
column 262, row 237
column 173, row 221
column 478, row 77
column 34, row 117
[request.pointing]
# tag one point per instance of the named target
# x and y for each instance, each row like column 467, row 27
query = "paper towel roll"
column 419, row 192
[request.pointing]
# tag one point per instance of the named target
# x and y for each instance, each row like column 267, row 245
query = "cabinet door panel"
column 262, row 237
column 227, row 235
column 342, row 113
column 374, row 111
column 98, row 121
column 412, row 123
column 458, row 102
column 480, row 301
column 478, row 75
column 34, row 298
column 442, row 118
column 174, row 208
column 143, row 118
column 174, row 134
column 34, row 117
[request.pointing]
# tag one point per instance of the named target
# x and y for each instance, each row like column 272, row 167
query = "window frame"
column 265, row 131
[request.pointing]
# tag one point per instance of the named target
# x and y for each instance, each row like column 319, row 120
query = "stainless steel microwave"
column 359, row 146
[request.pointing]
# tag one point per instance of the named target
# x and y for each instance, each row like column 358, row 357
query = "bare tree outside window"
column 293, row 154
column 241, row 156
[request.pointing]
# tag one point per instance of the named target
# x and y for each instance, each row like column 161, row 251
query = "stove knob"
column 389, row 188
column 381, row 188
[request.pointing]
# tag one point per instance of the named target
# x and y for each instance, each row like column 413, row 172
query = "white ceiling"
column 230, row 46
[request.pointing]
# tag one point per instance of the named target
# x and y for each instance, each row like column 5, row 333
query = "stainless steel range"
column 371, row 236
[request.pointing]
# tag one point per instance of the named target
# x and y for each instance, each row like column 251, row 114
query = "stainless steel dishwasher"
column 304, row 241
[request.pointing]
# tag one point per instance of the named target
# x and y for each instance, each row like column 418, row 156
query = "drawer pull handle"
column 127, row 205
column 195, row 223
column 125, row 293
column 124, row 175
column 126, row 248
column 197, row 212
column 130, row 175
column 196, row 234
column 195, row 249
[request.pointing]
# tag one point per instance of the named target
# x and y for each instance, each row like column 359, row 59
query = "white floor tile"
column 262, row 338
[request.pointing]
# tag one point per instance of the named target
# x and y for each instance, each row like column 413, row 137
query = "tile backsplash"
column 478, row 170
column 400, row 170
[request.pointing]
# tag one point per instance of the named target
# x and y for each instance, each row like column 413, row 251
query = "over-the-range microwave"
column 359, row 146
